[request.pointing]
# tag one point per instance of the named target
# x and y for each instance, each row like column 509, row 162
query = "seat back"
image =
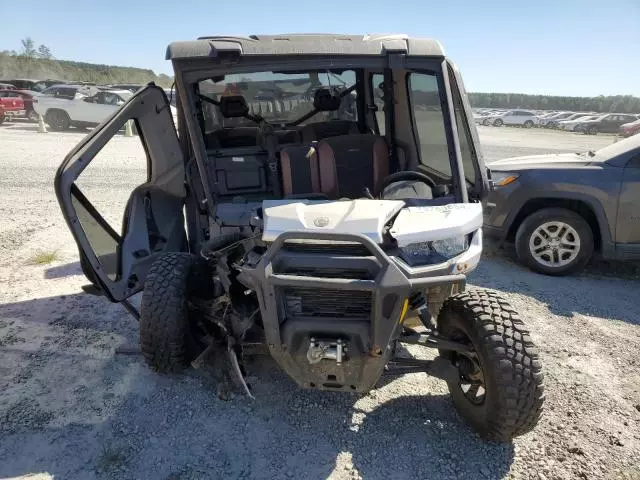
column 349, row 163
column 299, row 167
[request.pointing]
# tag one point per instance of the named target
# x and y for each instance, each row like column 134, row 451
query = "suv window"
column 464, row 134
column 376, row 92
column 428, row 121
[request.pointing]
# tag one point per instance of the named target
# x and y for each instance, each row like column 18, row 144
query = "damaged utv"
column 322, row 203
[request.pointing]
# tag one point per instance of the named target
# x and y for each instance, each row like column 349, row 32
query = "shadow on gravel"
column 605, row 289
column 61, row 271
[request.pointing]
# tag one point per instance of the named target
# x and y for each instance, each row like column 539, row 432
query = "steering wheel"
column 407, row 176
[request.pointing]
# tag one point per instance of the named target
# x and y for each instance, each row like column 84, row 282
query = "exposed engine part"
column 235, row 367
column 326, row 350
column 418, row 302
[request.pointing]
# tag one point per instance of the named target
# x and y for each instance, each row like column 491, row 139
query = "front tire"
column 554, row 241
column 592, row 131
column 58, row 120
column 167, row 337
column 505, row 379
column 498, row 123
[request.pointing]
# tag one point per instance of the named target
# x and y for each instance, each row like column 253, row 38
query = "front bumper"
column 305, row 298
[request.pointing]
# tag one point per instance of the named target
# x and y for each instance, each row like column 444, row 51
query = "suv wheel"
column 499, row 388
column 169, row 338
column 554, row 241
column 57, row 119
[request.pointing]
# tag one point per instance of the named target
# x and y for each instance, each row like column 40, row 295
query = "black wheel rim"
column 471, row 380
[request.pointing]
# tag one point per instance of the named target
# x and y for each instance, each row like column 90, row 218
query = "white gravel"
column 71, row 409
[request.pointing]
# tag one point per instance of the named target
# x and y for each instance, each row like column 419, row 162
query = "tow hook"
column 326, row 350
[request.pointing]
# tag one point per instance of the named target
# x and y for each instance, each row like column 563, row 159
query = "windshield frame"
column 190, row 71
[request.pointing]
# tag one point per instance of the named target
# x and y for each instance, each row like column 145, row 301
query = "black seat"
column 349, row 163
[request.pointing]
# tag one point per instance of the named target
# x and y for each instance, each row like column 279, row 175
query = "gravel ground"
column 72, row 409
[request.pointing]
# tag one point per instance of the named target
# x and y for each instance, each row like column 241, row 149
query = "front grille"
column 332, row 248
column 320, row 302
column 325, row 272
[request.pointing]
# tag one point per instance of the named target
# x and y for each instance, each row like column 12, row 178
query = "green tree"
column 44, row 52
column 28, row 48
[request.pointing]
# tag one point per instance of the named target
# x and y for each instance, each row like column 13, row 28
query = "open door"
column 118, row 242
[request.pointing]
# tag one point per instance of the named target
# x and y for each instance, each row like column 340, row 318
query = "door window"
column 102, row 192
column 428, row 122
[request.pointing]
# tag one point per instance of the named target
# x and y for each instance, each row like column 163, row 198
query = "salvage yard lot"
column 70, row 408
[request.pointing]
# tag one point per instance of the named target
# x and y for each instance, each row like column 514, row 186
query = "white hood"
column 367, row 217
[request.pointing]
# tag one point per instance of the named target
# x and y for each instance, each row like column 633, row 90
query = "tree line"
column 615, row 103
column 29, row 50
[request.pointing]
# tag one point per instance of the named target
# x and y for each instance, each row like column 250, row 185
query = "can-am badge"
column 321, row 221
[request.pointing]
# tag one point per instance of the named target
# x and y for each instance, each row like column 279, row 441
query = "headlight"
column 502, row 179
column 432, row 253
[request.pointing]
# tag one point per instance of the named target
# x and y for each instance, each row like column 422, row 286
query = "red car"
column 1, row 114
column 13, row 103
column 629, row 129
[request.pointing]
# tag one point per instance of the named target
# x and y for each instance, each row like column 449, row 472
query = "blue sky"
column 562, row 47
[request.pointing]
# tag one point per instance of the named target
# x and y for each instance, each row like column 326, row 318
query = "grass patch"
column 111, row 458
column 44, row 258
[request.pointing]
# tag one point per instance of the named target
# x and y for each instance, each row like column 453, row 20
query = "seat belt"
column 269, row 142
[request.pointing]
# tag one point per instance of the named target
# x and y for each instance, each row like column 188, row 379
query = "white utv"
column 333, row 189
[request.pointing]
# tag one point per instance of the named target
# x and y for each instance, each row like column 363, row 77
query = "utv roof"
column 305, row 44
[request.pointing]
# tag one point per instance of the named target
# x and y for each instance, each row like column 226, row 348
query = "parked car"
column 570, row 125
column 27, row 99
column 544, row 122
column 629, row 129
column 525, row 118
column 80, row 106
column 560, row 208
column 12, row 104
column 20, row 83
column 132, row 87
column 607, row 123
column 7, row 86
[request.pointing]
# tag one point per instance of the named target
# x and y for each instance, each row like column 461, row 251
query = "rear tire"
column 528, row 124
column 592, row 131
column 498, row 123
column 507, row 361
column 539, row 255
column 167, row 336
column 58, row 120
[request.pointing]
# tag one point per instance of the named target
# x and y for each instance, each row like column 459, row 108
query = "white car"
column 524, row 118
column 551, row 119
column 63, row 106
column 570, row 123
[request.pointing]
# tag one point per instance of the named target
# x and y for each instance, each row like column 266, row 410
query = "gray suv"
column 560, row 208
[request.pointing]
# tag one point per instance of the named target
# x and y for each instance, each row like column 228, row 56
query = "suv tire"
column 507, row 361
column 554, row 241
column 57, row 119
column 167, row 337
